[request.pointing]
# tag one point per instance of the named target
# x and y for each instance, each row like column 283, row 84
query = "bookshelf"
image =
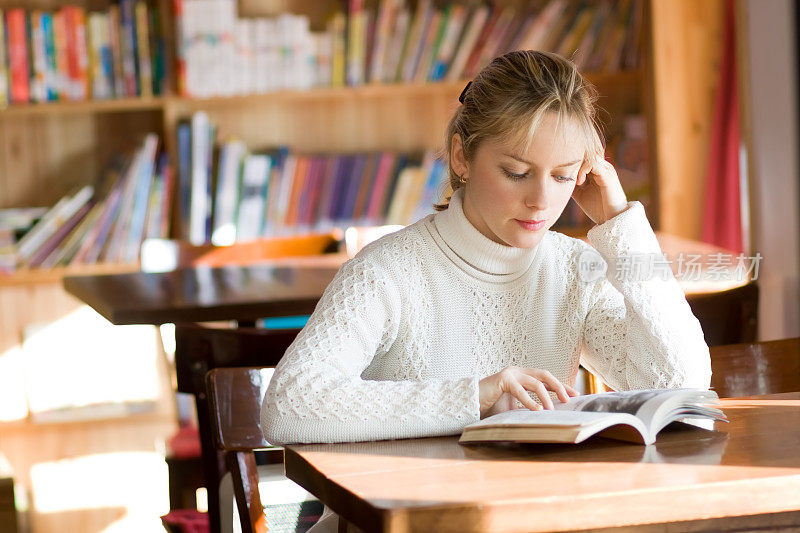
column 56, row 145
column 46, row 148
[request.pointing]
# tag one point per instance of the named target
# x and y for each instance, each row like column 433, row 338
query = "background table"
column 204, row 294
column 277, row 287
column 750, row 466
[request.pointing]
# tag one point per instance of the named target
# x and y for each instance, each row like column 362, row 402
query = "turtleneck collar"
column 473, row 247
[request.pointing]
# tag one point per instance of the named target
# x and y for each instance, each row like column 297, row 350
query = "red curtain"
column 722, row 218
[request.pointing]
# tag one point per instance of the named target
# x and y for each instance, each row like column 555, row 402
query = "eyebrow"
column 518, row 158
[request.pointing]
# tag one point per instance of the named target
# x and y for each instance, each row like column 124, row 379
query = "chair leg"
column 212, row 464
column 244, row 470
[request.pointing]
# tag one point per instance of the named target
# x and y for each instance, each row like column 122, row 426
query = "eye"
column 564, row 179
column 513, row 176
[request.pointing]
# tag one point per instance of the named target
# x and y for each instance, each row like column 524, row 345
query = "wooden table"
column 278, row 287
column 204, row 294
column 735, row 476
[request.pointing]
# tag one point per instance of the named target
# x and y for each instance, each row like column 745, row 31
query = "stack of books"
column 106, row 222
column 221, row 54
column 229, row 194
column 72, row 54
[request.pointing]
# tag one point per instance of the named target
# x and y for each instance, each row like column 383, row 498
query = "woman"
column 479, row 308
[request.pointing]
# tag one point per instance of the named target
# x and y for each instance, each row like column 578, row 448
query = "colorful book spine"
column 18, row 56
column 4, row 74
column 136, row 231
column 62, row 62
column 39, row 54
column 157, row 51
column 77, row 53
column 200, row 205
column 418, row 29
column 255, row 174
column 50, row 247
column 145, row 70
column 356, row 28
column 450, row 38
column 473, row 30
column 119, row 236
column 130, row 66
column 50, row 71
column 168, row 171
column 115, row 42
column 229, row 183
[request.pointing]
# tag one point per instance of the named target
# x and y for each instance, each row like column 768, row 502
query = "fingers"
column 562, row 390
column 522, row 395
column 586, row 166
column 518, row 383
column 534, row 385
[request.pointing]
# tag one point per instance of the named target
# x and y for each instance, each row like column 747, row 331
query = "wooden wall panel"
column 369, row 122
column 687, row 43
column 101, row 450
column 43, row 155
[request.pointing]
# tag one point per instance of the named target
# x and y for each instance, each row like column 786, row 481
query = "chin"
column 523, row 241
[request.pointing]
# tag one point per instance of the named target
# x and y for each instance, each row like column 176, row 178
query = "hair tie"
column 461, row 98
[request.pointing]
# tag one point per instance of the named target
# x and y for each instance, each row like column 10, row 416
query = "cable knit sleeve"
column 317, row 393
column 640, row 331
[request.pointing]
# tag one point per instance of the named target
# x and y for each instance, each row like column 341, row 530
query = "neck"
column 475, row 248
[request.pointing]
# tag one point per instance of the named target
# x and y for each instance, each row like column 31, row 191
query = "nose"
column 536, row 195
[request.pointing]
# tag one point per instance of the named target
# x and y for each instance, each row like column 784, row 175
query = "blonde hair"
column 508, row 98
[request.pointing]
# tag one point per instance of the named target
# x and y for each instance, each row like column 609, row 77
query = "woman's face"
column 514, row 199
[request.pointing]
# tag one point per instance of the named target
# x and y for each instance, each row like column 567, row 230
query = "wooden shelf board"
column 56, row 274
column 28, row 425
column 88, row 106
column 371, row 90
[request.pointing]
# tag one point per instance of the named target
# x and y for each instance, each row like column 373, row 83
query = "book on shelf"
column 4, row 85
column 389, row 42
column 74, row 54
column 227, row 193
column 102, row 222
column 635, row 416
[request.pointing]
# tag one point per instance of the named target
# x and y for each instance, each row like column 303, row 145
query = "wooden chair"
column 750, row 369
column 160, row 255
column 727, row 317
column 235, row 396
column 199, row 349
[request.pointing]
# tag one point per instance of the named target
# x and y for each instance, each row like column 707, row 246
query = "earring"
column 462, row 179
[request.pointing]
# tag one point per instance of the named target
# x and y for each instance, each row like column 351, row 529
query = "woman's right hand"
column 516, row 382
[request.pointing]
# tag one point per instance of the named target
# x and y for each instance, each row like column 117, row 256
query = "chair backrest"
column 235, row 396
column 727, row 317
column 750, row 369
column 199, row 349
column 161, row 255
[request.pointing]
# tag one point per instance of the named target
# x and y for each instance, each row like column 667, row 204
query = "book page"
column 613, row 402
column 550, row 418
column 655, row 407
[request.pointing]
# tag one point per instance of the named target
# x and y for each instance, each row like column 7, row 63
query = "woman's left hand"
column 598, row 190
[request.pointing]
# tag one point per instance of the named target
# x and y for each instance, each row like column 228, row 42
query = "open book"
column 635, row 416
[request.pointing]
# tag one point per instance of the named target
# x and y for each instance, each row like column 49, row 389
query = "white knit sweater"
column 400, row 338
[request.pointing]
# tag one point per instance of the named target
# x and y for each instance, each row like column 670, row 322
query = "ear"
column 457, row 159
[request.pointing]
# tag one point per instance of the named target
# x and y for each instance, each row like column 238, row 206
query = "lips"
column 531, row 225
